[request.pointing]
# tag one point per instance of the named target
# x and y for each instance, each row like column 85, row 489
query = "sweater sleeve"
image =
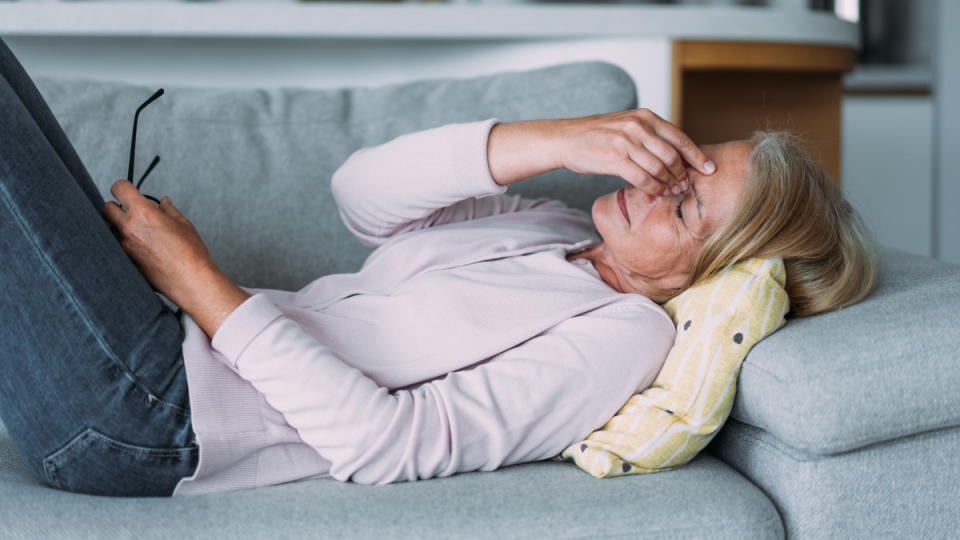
column 422, row 179
column 525, row 404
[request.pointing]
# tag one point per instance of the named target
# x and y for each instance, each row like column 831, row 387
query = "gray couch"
column 845, row 424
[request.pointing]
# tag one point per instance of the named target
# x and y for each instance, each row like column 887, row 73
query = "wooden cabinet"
column 726, row 90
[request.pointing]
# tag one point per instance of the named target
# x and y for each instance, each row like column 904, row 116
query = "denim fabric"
column 93, row 390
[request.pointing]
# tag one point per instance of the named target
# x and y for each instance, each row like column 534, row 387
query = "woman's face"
column 654, row 246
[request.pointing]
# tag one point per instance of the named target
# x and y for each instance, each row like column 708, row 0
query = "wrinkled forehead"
column 718, row 193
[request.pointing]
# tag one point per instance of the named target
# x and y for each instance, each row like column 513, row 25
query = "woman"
column 485, row 330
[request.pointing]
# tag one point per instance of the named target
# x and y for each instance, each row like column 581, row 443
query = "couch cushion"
column 906, row 488
column 534, row 500
column 251, row 167
column 878, row 370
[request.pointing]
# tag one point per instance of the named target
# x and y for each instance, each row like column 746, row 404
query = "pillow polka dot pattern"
column 669, row 423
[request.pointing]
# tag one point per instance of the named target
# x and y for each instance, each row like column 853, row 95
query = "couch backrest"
column 251, row 167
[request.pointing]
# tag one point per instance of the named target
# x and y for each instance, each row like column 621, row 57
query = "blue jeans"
column 93, row 390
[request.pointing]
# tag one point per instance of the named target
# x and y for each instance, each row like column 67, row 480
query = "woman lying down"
column 485, row 330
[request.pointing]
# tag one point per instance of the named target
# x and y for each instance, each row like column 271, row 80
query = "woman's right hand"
column 636, row 145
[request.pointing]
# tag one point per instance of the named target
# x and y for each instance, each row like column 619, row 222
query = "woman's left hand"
column 162, row 242
column 168, row 250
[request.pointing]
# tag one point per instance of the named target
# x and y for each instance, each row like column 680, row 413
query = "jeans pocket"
column 96, row 464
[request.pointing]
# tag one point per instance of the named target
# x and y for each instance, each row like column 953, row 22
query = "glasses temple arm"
column 133, row 138
column 156, row 159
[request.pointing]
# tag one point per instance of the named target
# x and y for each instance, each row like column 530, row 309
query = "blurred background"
column 898, row 103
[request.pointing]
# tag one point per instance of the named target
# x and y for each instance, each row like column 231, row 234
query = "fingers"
column 655, row 155
column 167, row 206
column 653, row 166
column 638, row 176
column 663, row 161
column 664, row 151
column 669, row 157
column 114, row 214
column 128, row 195
column 684, row 145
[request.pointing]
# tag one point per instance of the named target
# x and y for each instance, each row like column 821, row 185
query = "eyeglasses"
column 133, row 146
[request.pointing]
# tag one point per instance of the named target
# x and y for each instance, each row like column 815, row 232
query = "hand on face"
column 650, row 242
column 636, row 145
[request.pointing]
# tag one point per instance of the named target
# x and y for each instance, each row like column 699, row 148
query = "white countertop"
column 891, row 78
column 411, row 20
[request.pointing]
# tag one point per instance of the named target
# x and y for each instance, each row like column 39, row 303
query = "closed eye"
column 678, row 211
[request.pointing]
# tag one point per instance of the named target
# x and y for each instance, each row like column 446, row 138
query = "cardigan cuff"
column 243, row 325
column 477, row 166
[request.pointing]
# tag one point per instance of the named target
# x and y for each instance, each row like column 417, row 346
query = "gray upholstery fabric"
column 705, row 499
column 905, row 488
column 881, row 369
column 252, row 168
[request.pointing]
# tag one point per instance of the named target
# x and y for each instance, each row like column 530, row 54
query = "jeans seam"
column 50, row 471
column 88, row 432
column 51, row 463
column 152, row 398
column 76, row 306
column 138, row 449
column 54, row 459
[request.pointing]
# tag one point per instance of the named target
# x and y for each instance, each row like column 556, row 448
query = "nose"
column 646, row 202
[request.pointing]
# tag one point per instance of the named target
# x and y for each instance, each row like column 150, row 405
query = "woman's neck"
column 596, row 256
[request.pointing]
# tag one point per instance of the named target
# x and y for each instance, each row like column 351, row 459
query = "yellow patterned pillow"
column 667, row 425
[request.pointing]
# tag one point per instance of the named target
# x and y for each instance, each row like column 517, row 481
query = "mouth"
column 622, row 202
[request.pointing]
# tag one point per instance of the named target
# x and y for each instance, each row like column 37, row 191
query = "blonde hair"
column 791, row 208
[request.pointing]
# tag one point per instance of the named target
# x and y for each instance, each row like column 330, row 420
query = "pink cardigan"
column 466, row 341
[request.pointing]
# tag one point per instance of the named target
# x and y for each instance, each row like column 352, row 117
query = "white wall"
column 887, row 167
column 947, row 88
